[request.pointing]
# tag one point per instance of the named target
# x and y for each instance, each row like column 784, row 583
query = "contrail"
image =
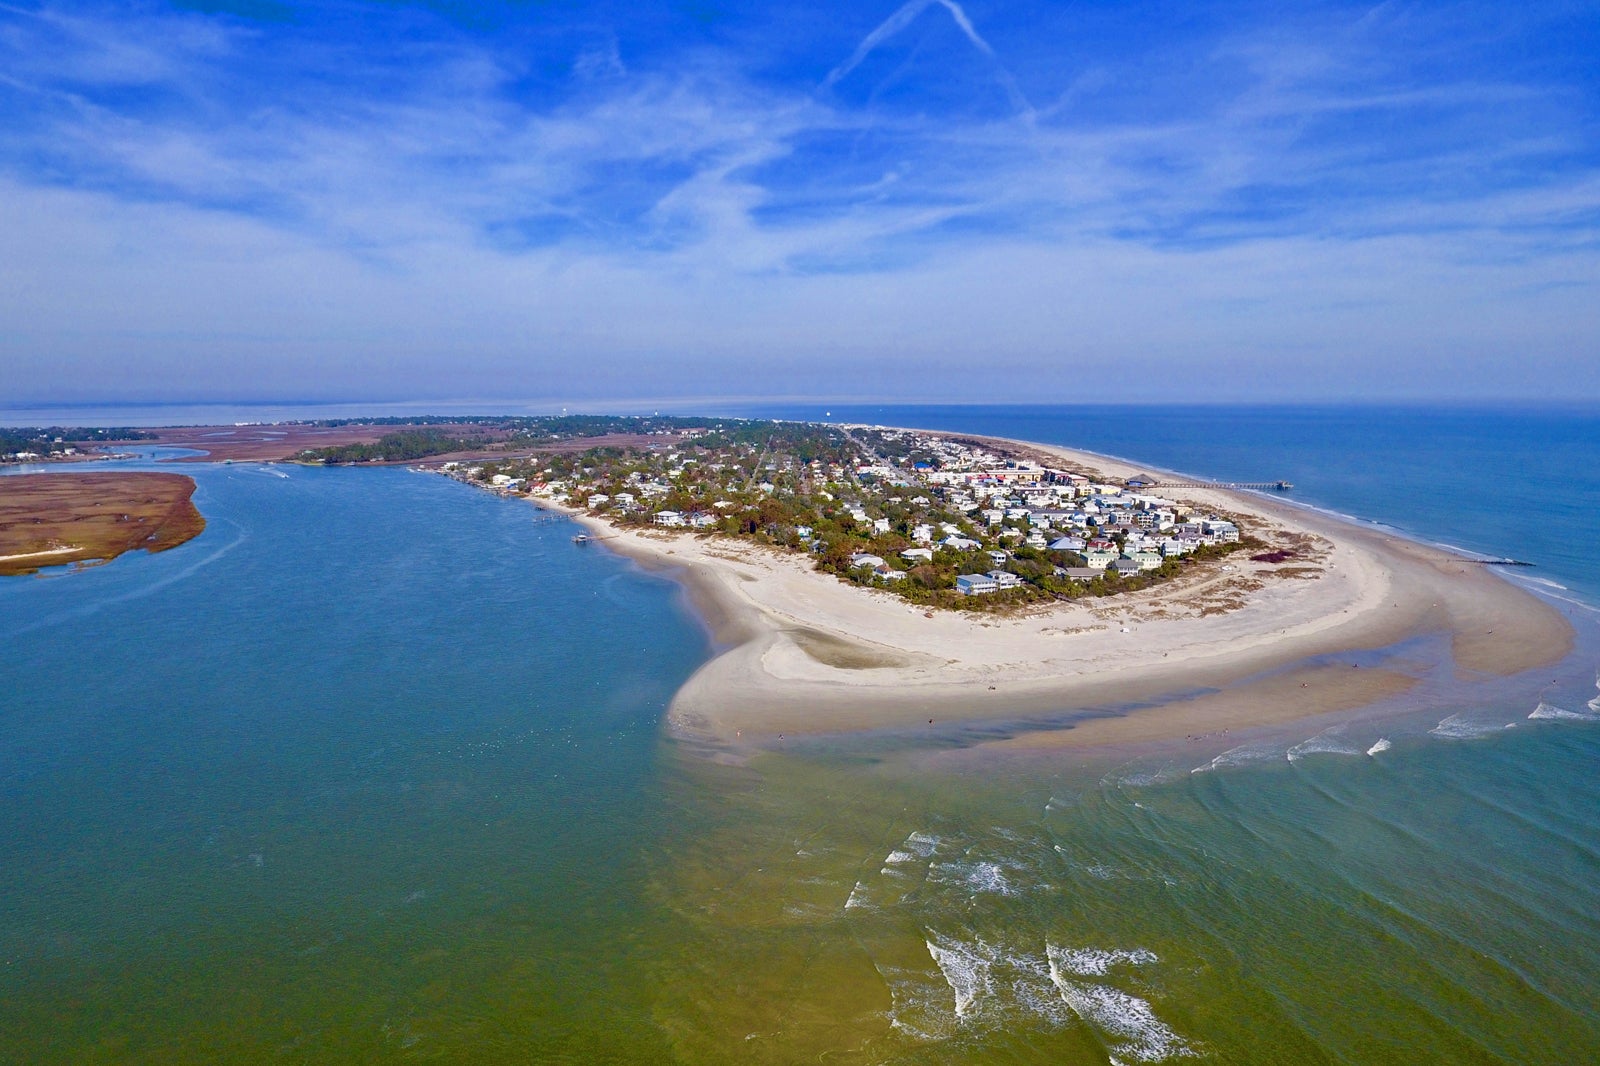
column 904, row 16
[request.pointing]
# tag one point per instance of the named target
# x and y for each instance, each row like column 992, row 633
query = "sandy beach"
column 1224, row 646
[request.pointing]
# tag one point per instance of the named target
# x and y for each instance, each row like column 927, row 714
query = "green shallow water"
column 372, row 772
column 1339, row 908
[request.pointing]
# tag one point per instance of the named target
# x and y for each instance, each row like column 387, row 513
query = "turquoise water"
column 372, row 771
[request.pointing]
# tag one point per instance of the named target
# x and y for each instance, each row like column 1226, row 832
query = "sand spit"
column 1233, row 644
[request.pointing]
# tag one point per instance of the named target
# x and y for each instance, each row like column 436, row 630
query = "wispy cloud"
column 511, row 183
column 903, row 17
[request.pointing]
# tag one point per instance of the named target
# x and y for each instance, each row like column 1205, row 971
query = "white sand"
column 810, row 653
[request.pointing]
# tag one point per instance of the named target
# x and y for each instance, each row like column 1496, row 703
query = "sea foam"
column 966, row 971
column 1126, row 1023
column 1550, row 710
column 1327, row 742
column 1459, row 727
column 1244, row 753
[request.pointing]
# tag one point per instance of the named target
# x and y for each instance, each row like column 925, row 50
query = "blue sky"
column 981, row 201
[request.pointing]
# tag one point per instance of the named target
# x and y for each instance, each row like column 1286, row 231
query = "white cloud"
column 680, row 227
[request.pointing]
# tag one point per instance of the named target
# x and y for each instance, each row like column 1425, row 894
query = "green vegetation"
column 396, row 447
column 856, row 500
column 58, row 440
column 422, row 438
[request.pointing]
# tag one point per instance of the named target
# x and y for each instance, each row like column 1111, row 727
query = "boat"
column 581, row 538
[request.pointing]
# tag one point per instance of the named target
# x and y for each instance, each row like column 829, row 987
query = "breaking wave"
column 1459, row 727
column 1327, row 742
column 1551, row 711
column 1243, row 754
column 975, row 876
column 1126, row 1024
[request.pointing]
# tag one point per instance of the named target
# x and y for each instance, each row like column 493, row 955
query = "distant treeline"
column 397, row 448
column 50, row 440
column 535, row 428
column 426, row 437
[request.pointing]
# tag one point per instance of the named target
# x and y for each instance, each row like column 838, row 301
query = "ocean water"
column 373, row 771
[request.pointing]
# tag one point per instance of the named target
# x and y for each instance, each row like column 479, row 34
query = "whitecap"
column 1550, row 710
column 966, row 971
column 977, row 986
column 857, row 897
column 1139, row 778
column 1458, row 727
column 1327, row 742
column 1244, row 753
column 1381, row 745
column 1126, row 1023
column 977, row 877
column 1097, row 962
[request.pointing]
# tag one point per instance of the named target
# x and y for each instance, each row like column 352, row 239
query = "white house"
column 976, row 584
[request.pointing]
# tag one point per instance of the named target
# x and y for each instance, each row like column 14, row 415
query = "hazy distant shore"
column 1230, row 648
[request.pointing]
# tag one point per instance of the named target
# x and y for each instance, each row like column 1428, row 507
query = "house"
column 888, row 573
column 1067, row 544
column 670, row 519
column 880, row 525
column 960, row 544
column 999, row 557
column 1147, row 560
column 1123, row 568
column 1004, row 579
column 1081, row 573
column 917, row 555
column 922, row 534
column 976, row 584
column 700, row 520
column 1099, row 560
column 860, row 559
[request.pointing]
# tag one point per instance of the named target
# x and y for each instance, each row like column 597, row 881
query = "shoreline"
column 798, row 652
